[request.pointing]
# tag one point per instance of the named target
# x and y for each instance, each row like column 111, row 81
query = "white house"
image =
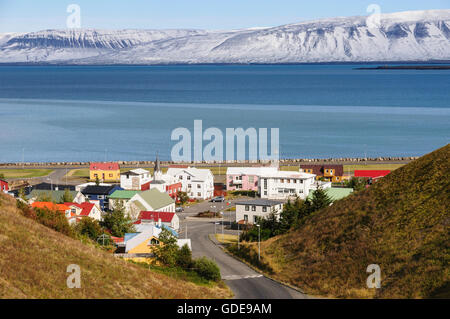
column 134, row 179
column 286, row 184
column 86, row 209
column 248, row 211
column 150, row 200
column 197, row 183
column 246, row 178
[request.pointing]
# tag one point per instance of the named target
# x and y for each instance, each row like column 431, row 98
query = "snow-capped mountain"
column 403, row 36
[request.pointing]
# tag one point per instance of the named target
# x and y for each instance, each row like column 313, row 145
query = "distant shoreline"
column 406, row 63
column 408, row 67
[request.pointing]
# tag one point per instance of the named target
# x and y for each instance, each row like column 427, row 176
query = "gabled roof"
column 86, row 207
column 54, row 195
column 104, row 166
column 135, row 240
column 287, row 174
column 197, row 173
column 156, row 199
column 98, row 190
column 165, row 217
column 123, row 194
column 50, row 206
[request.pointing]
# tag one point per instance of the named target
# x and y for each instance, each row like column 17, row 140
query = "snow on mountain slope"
column 403, row 36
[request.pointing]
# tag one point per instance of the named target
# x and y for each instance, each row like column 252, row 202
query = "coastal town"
column 156, row 199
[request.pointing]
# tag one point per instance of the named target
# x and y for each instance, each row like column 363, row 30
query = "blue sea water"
column 87, row 113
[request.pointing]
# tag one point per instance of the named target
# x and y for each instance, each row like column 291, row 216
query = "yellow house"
column 106, row 172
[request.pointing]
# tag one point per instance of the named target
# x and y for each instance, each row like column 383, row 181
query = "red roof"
column 111, row 166
column 86, row 207
column 178, row 166
column 50, row 206
column 371, row 173
column 166, row 217
column 117, row 239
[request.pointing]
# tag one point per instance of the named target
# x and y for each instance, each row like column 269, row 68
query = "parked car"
column 218, row 199
column 179, row 209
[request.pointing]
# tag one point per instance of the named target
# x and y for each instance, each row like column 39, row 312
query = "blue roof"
column 128, row 236
column 169, row 229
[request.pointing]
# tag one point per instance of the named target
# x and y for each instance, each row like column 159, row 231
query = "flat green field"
column 24, row 173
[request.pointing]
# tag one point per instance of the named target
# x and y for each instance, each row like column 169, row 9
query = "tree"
column 117, row 222
column 2, row 176
column 320, row 199
column 207, row 269
column 182, row 197
column 166, row 252
column 21, row 194
column 89, row 227
column 357, row 183
column 184, row 257
column 67, row 196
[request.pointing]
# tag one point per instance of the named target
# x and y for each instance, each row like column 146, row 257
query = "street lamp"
column 221, row 213
column 259, row 242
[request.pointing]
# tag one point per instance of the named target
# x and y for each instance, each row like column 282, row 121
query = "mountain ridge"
column 401, row 36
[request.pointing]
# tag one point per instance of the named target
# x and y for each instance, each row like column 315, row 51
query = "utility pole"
column 238, row 235
column 223, row 220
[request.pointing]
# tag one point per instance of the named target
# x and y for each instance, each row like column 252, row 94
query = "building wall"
column 105, row 175
column 259, row 211
column 245, row 182
column 290, row 187
column 4, row 187
column 197, row 189
column 173, row 189
column 133, row 182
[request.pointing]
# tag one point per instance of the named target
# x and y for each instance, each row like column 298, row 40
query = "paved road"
column 243, row 281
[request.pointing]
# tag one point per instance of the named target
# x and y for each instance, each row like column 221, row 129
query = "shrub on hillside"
column 207, row 269
column 184, row 257
column 89, row 227
column 53, row 219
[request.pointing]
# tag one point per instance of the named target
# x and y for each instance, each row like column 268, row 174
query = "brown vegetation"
column 34, row 260
column 400, row 223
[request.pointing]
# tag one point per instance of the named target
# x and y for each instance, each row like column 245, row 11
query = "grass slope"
column 401, row 223
column 34, row 261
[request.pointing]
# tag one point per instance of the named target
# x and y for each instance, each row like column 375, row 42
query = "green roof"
column 123, row 194
column 156, row 199
column 335, row 193
column 56, row 196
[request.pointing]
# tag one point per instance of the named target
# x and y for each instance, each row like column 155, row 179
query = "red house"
column 4, row 187
column 173, row 190
column 371, row 173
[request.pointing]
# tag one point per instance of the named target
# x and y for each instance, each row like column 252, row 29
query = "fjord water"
column 87, row 113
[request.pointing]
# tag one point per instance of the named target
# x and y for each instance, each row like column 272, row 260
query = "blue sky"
column 29, row 15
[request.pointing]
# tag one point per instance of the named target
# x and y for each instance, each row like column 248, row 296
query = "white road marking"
column 237, row 277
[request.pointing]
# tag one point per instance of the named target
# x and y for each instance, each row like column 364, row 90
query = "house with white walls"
column 286, row 184
column 197, row 183
column 246, row 178
column 150, row 200
column 248, row 211
column 135, row 179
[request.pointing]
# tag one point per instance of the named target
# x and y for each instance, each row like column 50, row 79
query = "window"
column 199, row 194
column 154, row 241
column 265, row 183
column 199, row 186
column 301, row 181
column 295, row 181
column 247, row 208
column 288, row 181
column 246, row 217
column 264, row 209
column 189, row 185
column 251, row 179
column 255, row 219
column 253, row 208
column 188, row 178
column 265, row 193
column 282, row 180
column 181, row 177
column 95, row 175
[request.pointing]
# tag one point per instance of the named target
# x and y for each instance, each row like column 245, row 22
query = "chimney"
column 159, row 222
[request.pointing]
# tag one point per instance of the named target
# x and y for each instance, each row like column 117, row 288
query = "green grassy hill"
column 401, row 223
column 34, row 262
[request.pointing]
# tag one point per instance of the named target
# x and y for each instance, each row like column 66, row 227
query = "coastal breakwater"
column 285, row 162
